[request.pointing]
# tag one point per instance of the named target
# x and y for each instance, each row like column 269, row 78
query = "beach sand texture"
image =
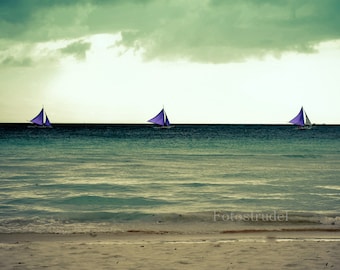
column 155, row 250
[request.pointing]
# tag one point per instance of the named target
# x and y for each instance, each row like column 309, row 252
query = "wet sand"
column 134, row 249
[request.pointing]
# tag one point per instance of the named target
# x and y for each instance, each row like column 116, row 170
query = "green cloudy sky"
column 205, row 61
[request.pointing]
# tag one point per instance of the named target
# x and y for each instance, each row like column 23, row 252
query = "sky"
column 206, row 61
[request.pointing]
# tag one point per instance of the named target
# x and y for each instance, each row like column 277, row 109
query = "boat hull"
column 163, row 127
column 303, row 128
column 39, row 127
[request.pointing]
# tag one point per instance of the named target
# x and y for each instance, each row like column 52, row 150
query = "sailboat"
column 161, row 120
column 39, row 122
column 301, row 120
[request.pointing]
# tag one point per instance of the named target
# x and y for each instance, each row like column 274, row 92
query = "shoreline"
column 164, row 225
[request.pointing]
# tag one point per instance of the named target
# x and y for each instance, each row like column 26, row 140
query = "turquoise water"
column 115, row 174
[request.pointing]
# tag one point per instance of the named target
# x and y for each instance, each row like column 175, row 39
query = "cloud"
column 25, row 54
column 215, row 31
column 12, row 61
column 77, row 49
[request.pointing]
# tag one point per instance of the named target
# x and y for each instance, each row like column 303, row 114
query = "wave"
column 210, row 221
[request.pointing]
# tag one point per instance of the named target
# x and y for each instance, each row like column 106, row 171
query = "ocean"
column 102, row 177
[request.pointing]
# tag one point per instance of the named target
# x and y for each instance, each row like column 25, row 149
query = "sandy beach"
column 134, row 249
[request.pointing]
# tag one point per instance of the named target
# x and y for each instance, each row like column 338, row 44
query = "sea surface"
column 97, row 177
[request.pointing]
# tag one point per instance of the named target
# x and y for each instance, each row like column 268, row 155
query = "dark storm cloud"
column 204, row 31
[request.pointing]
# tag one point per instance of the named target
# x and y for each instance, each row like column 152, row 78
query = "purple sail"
column 47, row 122
column 299, row 119
column 167, row 122
column 39, row 119
column 160, row 119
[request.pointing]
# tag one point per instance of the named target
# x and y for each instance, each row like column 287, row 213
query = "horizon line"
column 148, row 124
